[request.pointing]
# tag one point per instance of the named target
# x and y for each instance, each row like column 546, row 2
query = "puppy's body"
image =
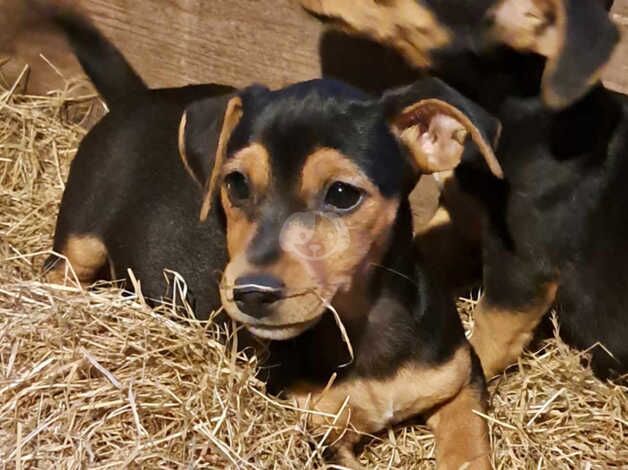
column 554, row 229
column 559, row 235
column 128, row 202
column 145, row 215
column 404, row 352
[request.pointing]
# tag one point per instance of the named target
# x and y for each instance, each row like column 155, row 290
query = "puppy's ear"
column 204, row 133
column 438, row 126
column 576, row 36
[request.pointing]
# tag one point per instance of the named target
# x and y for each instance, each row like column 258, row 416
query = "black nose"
column 255, row 293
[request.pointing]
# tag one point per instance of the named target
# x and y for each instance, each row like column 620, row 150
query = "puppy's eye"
column 237, row 187
column 343, row 196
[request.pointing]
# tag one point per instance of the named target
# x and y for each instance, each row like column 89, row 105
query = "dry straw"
column 94, row 379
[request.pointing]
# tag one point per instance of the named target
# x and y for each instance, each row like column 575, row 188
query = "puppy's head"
column 310, row 179
column 576, row 36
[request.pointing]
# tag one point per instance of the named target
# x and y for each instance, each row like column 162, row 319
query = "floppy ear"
column 576, row 36
column 204, row 133
column 438, row 125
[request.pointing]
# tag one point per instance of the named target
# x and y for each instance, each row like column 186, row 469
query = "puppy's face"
column 310, row 188
column 295, row 238
column 310, row 185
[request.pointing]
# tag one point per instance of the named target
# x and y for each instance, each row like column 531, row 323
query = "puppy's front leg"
column 501, row 333
column 461, row 435
column 336, row 410
column 370, row 404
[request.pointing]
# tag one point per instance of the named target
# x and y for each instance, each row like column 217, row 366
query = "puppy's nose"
column 255, row 293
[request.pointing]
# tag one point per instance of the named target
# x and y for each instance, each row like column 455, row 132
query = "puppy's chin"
column 281, row 333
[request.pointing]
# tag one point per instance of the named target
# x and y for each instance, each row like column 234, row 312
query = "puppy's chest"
column 390, row 402
column 377, row 402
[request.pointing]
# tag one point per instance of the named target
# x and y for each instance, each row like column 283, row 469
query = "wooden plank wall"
column 176, row 42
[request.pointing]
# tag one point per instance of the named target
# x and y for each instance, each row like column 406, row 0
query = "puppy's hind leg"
column 86, row 255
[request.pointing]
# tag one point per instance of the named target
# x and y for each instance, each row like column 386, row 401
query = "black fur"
column 110, row 72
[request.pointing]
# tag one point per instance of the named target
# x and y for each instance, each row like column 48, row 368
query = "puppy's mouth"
column 282, row 332
column 289, row 317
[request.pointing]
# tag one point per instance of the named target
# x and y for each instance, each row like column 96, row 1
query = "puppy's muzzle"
column 256, row 294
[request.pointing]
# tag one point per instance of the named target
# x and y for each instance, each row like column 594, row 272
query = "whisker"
column 301, row 290
column 258, row 287
column 394, row 271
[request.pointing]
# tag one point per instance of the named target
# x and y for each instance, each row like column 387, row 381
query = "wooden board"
column 173, row 43
column 177, row 42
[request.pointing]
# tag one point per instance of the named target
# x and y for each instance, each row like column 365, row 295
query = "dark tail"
column 103, row 63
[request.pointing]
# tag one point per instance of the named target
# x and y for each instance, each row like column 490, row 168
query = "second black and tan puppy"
column 555, row 235
column 309, row 185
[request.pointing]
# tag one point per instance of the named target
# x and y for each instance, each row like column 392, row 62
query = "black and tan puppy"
column 314, row 187
column 555, row 231
column 128, row 202
column 310, row 183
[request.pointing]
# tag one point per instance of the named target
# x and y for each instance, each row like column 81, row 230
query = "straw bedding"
column 95, row 379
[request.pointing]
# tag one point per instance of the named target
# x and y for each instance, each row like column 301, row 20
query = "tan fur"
column 499, row 335
column 326, row 165
column 403, row 24
column 466, row 212
column 304, row 300
column 450, row 241
column 86, row 254
column 424, row 201
column 441, row 217
column 461, row 435
column 182, row 151
column 374, row 404
column 367, row 227
column 254, row 162
column 527, row 25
